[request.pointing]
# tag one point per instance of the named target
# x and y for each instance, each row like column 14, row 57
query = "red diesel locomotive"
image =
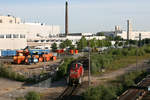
column 75, row 74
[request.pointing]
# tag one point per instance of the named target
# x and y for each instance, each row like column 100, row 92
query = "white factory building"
column 48, row 41
column 14, row 34
column 134, row 35
column 128, row 34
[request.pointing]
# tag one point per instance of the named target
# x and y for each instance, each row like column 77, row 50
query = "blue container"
column 39, row 51
column 4, row 53
column 8, row 53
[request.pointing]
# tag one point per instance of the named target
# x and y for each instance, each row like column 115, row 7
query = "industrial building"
column 14, row 34
column 128, row 34
column 132, row 35
column 46, row 42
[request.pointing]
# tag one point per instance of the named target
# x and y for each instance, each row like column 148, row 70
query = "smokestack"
column 66, row 18
column 128, row 29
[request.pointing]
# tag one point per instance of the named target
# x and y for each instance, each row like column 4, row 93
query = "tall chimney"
column 128, row 29
column 66, row 18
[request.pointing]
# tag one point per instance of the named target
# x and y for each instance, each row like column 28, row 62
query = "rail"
column 136, row 92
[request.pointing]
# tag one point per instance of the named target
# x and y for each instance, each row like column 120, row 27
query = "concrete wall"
column 12, row 44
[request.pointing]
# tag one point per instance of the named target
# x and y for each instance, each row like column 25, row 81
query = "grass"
column 126, row 61
column 114, row 59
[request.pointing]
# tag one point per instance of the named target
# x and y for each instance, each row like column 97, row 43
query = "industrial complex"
column 40, row 62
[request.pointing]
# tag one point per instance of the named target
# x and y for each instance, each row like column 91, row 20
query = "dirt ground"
column 33, row 69
column 142, row 65
column 23, row 67
column 11, row 89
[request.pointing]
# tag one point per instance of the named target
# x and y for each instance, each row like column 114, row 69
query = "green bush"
column 114, row 89
column 125, row 52
column 63, row 69
column 141, row 52
column 147, row 49
column 100, row 93
column 20, row 98
column 8, row 73
column 32, row 96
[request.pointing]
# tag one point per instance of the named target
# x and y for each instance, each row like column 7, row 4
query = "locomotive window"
column 74, row 66
column 79, row 65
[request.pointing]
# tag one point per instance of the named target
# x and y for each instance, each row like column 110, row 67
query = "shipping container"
column 39, row 51
column 8, row 53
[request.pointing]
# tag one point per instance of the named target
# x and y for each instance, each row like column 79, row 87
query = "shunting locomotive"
column 76, row 72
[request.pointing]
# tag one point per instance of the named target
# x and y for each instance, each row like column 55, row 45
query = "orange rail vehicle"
column 20, row 57
column 27, row 57
column 47, row 57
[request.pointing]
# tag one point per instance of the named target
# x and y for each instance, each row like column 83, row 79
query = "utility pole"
column 89, row 76
column 137, row 56
column 138, row 45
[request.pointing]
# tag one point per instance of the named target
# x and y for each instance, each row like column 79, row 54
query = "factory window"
column 47, row 40
column 15, row 35
column 1, row 36
column 42, row 40
column 36, row 40
column 8, row 36
column 1, row 21
column 10, row 21
column 22, row 36
column 37, row 34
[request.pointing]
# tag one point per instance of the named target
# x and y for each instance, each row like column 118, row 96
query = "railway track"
column 68, row 92
column 136, row 93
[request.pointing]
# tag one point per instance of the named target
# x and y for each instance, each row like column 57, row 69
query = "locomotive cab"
column 75, row 74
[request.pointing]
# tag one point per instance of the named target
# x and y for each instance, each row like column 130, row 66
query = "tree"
column 72, row 47
column 118, row 38
column 32, row 96
column 133, row 42
column 120, row 44
column 68, row 42
column 93, row 43
column 116, row 43
column 62, row 45
column 54, row 47
column 107, row 43
column 109, row 38
column 100, row 43
column 100, row 34
column 82, row 43
column 126, row 43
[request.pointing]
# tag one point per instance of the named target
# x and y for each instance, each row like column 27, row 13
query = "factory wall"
column 12, row 44
column 134, row 35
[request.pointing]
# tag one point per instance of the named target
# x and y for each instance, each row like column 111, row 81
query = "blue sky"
column 84, row 15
